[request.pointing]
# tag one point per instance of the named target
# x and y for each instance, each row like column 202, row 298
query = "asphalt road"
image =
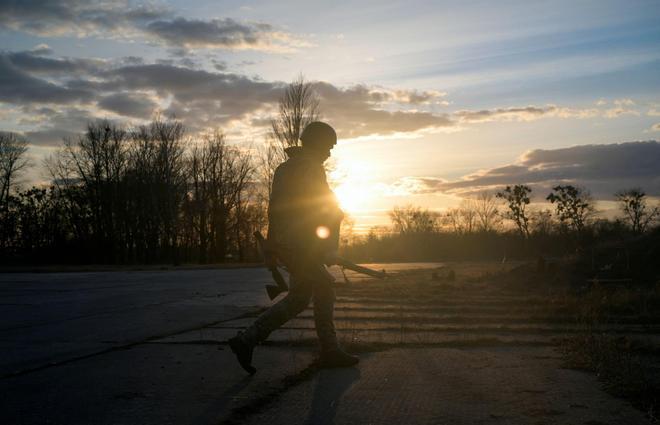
column 149, row 347
column 50, row 318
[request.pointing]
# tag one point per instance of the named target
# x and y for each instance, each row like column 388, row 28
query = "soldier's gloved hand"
column 270, row 260
column 331, row 257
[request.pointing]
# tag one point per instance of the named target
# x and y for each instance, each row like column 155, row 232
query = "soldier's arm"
column 324, row 211
column 323, row 198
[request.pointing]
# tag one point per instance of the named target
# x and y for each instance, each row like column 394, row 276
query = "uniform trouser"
column 313, row 281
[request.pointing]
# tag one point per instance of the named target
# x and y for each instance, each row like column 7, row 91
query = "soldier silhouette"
column 303, row 224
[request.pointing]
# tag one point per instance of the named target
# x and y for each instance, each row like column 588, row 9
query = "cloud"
column 358, row 111
column 120, row 19
column 35, row 61
column 621, row 107
column 57, row 124
column 49, row 137
column 519, row 114
column 219, row 65
column 129, row 104
column 624, row 102
column 528, row 113
column 655, row 127
column 603, row 169
column 222, row 33
column 619, row 111
column 202, row 98
column 76, row 17
column 410, row 97
column 410, row 185
column 18, row 86
column 42, row 49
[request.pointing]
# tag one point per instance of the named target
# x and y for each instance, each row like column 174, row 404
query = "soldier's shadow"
column 331, row 384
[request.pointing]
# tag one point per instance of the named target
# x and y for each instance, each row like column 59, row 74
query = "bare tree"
column 298, row 106
column 410, row 220
column 138, row 195
column 474, row 214
column 156, row 189
column 636, row 211
column 488, row 218
column 463, row 219
column 541, row 222
column 269, row 157
column 219, row 178
column 59, row 169
column 574, row 206
column 98, row 160
column 347, row 235
column 198, row 164
column 229, row 180
column 12, row 162
column 517, row 198
column 249, row 216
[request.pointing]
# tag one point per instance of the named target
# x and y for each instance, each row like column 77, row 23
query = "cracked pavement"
column 149, row 347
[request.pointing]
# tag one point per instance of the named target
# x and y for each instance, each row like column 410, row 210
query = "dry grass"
column 616, row 362
column 626, row 367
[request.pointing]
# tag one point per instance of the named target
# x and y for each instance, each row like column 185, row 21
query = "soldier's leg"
column 324, row 308
column 300, row 292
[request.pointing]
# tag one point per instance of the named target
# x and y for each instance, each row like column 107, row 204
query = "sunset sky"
column 433, row 101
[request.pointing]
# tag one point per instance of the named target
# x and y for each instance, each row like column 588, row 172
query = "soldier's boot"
column 337, row 358
column 243, row 352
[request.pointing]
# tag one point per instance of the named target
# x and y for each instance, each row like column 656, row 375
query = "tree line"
column 146, row 194
column 136, row 195
column 501, row 224
column 154, row 194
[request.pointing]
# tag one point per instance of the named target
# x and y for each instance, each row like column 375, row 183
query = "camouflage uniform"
column 301, row 201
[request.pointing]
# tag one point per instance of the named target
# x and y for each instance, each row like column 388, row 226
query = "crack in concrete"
column 126, row 346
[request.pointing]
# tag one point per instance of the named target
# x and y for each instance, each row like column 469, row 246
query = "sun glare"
column 323, row 232
column 351, row 197
column 355, row 184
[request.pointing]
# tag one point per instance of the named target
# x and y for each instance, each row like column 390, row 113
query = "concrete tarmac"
column 495, row 385
column 149, row 347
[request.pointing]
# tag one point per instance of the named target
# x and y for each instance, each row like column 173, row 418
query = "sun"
column 351, row 197
column 353, row 181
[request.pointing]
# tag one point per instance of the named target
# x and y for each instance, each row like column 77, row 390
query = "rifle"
column 346, row 264
column 270, row 257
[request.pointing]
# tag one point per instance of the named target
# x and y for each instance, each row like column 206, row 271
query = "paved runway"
column 149, row 347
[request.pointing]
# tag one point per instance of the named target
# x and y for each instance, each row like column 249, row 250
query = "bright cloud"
column 603, row 169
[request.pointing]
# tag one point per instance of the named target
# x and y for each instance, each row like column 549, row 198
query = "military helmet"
column 318, row 134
